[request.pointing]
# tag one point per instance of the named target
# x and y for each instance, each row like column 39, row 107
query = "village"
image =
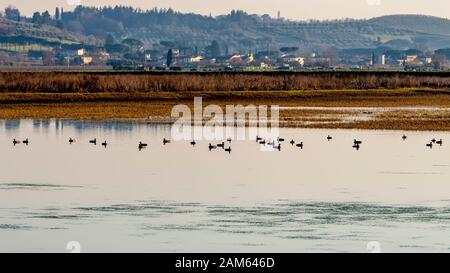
column 164, row 58
column 44, row 42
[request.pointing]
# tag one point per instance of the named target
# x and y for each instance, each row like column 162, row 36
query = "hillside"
column 242, row 32
column 33, row 36
column 418, row 23
column 235, row 32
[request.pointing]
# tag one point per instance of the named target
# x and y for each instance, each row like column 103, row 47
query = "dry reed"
column 64, row 82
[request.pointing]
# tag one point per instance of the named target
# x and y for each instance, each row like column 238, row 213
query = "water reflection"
column 179, row 197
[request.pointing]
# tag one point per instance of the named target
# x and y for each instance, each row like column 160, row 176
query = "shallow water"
column 327, row 197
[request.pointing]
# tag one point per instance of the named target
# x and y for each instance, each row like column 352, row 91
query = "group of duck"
column 434, row 141
column 276, row 144
column 220, row 145
column 431, row 144
column 26, row 142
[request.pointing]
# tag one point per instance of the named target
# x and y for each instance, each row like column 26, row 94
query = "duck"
column 165, row 141
column 404, row 137
column 104, row 144
column 277, row 147
column 292, row 142
column 210, row 146
column 142, row 145
column 357, row 142
column 228, row 150
column 439, row 142
column 221, row 145
column 279, row 139
column 71, row 140
column 263, row 142
column 93, row 141
column 300, row 145
column 430, row 144
column 25, row 141
column 229, row 140
column 433, row 140
column 271, row 143
column 329, row 137
column 193, row 143
column 15, row 142
column 258, row 138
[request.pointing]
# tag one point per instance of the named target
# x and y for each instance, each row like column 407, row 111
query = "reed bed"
column 145, row 97
column 65, row 82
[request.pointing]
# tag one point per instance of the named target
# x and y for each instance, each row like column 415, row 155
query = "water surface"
column 170, row 198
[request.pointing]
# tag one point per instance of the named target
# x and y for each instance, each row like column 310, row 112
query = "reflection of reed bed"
column 392, row 124
column 302, row 118
column 386, row 119
column 428, row 115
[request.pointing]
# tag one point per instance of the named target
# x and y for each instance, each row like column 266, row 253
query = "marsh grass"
column 135, row 97
column 64, row 82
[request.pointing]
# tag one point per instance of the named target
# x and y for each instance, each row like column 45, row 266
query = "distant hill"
column 237, row 32
column 242, row 32
column 24, row 33
column 418, row 23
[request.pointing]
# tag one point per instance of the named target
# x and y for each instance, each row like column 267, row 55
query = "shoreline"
column 399, row 109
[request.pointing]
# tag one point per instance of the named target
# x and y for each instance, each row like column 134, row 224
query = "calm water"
column 327, row 197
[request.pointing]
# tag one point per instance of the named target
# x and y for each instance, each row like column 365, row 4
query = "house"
column 411, row 59
column 318, row 62
column 192, row 59
column 241, row 59
column 294, row 60
column 86, row 60
column 99, row 56
column 235, row 59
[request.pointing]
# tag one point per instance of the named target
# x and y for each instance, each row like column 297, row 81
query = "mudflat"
column 401, row 109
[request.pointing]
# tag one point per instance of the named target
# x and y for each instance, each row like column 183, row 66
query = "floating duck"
column 210, row 146
column 142, row 145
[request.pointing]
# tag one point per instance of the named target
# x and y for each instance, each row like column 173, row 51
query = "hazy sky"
column 291, row 9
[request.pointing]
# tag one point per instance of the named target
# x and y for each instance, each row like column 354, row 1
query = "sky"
column 290, row 9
